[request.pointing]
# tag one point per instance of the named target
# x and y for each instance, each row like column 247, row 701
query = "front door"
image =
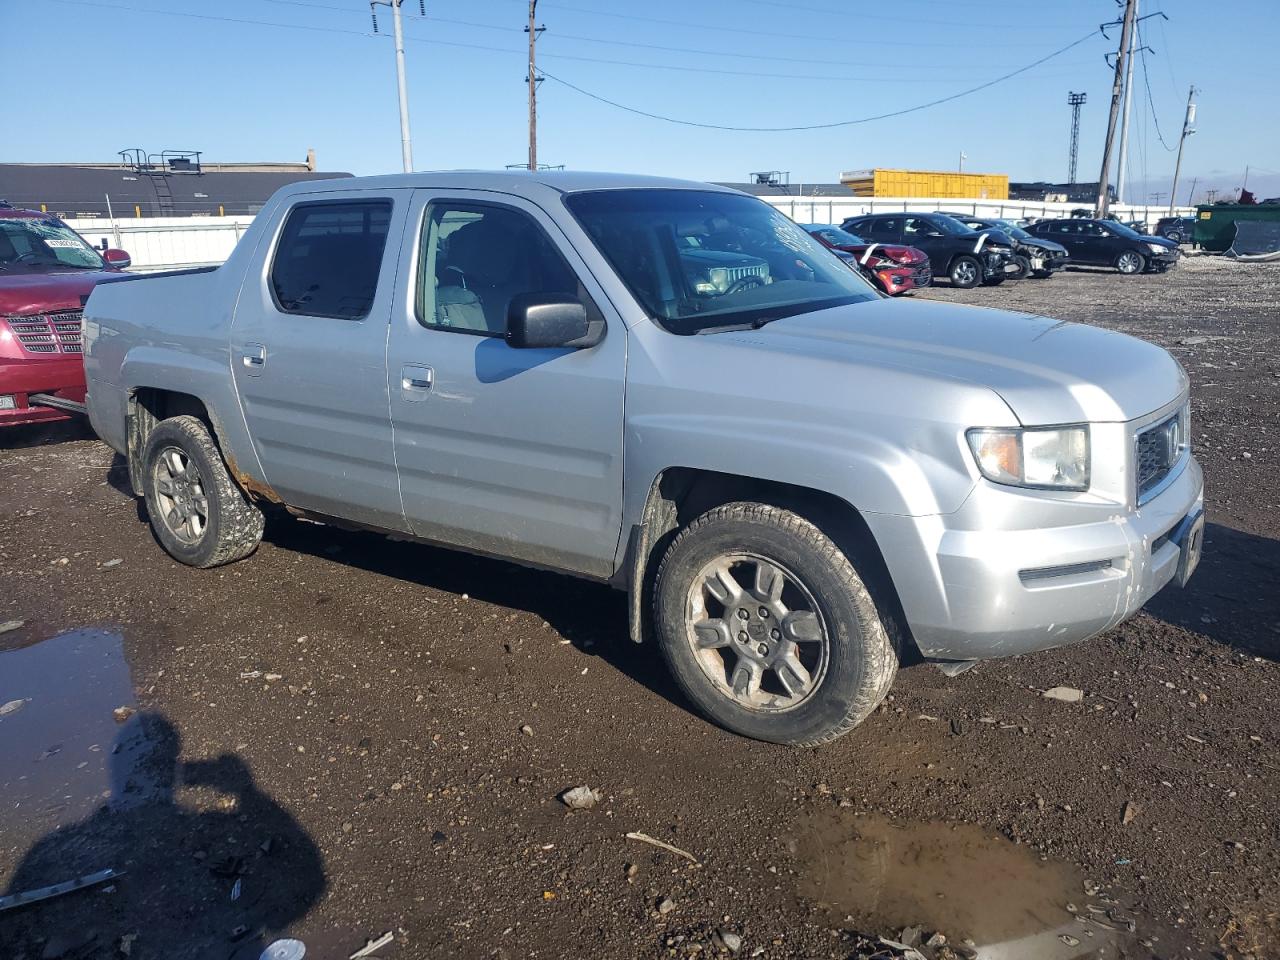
column 309, row 352
column 514, row 452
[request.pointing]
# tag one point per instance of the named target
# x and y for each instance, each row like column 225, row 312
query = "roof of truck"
column 507, row 181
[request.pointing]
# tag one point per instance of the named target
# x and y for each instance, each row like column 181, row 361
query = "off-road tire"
column 967, row 283
column 234, row 525
column 862, row 658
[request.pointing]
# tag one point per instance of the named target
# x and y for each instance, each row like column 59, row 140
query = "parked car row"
column 892, row 249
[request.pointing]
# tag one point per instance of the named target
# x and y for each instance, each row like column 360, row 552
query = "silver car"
column 669, row 387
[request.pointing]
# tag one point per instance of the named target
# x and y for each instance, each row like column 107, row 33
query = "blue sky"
column 153, row 74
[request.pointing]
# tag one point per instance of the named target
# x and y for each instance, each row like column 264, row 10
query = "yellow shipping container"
column 927, row 183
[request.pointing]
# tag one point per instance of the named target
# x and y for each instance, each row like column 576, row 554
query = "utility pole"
column 406, row 145
column 1188, row 123
column 1191, row 194
column 1075, row 100
column 1117, row 86
column 1122, row 163
column 962, row 160
column 533, row 30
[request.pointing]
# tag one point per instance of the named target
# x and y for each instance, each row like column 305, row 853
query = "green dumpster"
column 1216, row 223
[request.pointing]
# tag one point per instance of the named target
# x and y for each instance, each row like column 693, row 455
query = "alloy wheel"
column 756, row 632
column 180, row 495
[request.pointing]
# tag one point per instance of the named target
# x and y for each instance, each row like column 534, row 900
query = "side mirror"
column 551, row 320
column 117, row 258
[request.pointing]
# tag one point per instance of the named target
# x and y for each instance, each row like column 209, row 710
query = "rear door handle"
column 254, row 358
column 416, row 381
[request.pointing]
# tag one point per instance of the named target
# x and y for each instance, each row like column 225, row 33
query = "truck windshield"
column 44, row 242
column 701, row 261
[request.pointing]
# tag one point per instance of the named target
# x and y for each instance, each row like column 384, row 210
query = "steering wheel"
column 29, row 255
column 462, row 277
column 746, row 283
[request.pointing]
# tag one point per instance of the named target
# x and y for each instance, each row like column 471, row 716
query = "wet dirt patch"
column 68, row 734
column 975, row 886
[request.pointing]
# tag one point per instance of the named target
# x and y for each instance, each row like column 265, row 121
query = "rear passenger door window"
column 474, row 258
column 886, row 228
column 328, row 258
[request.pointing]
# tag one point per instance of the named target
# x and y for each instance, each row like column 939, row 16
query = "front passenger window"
column 475, row 257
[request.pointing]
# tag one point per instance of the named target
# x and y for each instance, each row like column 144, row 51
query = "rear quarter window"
column 329, row 256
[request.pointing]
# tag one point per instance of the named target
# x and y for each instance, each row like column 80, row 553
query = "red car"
column 46, row 274
column 894, row 268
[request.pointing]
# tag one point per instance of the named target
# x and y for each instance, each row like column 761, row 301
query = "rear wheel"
column 965, row 272
column 768, row 628
column 1130, row 262
column 198, row 514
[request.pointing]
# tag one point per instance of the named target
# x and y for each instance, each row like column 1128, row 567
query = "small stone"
column 1065, row 694
column 911, row 936
column 526, row 730
column 665, row 906
column 438, row 838
column 122, row 714
column 347, row 827
column 633, row 869
column 937, row 940
column 581, row 798
column 108, row 564
column 729, row 940
column 1131, row 811
column 13, row 706
column 9, row 625
column 1247, row 455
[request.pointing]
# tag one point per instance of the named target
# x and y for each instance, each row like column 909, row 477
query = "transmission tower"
column 1075, row 100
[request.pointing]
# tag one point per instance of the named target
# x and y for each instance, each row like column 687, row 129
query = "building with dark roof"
column 168, row 184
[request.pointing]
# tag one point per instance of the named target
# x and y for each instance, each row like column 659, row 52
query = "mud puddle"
column 66, row 748
column 974, row 886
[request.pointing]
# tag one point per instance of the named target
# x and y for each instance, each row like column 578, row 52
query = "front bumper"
column 900, row 279
column 984, row 582
column 61, row 376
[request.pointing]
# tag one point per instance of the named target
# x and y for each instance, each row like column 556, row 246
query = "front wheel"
column 965, row 272
column 1024, row 267
column 198, row 514
column 768, row 628
column 1130, row 262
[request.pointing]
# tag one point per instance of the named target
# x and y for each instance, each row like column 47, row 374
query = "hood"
column 719, row 258
column 1040, row 243
column 22, row 293
column 1047, row 371
column 1160, row 241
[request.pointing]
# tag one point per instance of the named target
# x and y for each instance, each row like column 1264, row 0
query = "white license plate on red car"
column 8, row 402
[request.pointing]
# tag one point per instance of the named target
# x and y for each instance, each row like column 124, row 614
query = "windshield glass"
column 947, row 224
column 1116, row 226
column 44, row 242
column 699, row 261
column 836, row 235
column 1011, row 228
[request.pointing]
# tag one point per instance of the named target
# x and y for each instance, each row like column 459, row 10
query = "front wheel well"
column 681, row 494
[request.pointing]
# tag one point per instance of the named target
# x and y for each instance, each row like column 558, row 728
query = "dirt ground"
column 345, row 736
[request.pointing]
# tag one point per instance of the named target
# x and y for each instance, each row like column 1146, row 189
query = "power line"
column 209, row 16
column 1151, row 104
column 821, row 126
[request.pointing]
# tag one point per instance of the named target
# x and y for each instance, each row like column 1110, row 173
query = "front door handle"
column 254, row 358
column 416, row 381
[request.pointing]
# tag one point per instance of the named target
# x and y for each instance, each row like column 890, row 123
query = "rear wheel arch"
column 679, row 495
column 148, row 406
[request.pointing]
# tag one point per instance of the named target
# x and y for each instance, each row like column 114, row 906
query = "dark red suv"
column 46, row 273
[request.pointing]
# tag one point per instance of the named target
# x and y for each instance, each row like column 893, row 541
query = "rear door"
column 514, row 452
column 308, row 354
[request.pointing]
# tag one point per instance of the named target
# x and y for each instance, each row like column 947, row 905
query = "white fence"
column 161, row 243
column 837, row 209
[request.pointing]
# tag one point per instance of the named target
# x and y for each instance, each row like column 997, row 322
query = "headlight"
column 1055, row 459
column 719, row 277
column 1157, row 248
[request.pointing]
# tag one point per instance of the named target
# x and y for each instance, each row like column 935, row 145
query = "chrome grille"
column 58, row 332
column 1157, row 450
column 737, row 273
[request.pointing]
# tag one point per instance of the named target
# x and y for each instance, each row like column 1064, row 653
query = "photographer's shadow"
column 218, row 874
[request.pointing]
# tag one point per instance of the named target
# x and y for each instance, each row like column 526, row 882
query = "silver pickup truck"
column 671, row 388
